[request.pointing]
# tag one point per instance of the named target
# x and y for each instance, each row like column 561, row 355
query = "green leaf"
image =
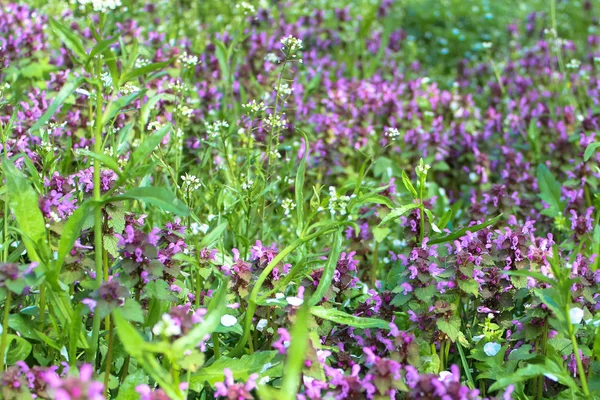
column 59, row 99
column 149, row 145
column 74, row 333
column 550, row 191
column 461, row 232
column 241, row 368
column 329, row 270
column 156, row 196
column 127, row 388
column 105, row 159
column 381, row 233
column 469, row 286
column 434, row 227
column 340, row 317
column 146, row 70
column 23, row 201
column 408, row 185
column 69, row 38
column 450, row 327
column 590, row 150
column 101, row 47
column 216, row 309
column 18, row 349
column 299, row 187
column 522, row 353
column 213, row 235
column 296, row 355
column 72, row 230
column 121, row 103
column 397, row 213
column 132, row 311
column 23, row 325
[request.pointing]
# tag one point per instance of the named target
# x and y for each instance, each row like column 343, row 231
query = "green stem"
column 97, row 216
column 580, row 369
column 109, row 355
column 216, row 345
column 465, row 364
column 5, row 330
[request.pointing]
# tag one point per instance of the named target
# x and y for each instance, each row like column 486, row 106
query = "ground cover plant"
column 299, row 200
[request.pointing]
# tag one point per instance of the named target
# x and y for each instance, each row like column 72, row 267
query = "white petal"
column 294, row 301
column 575, row 315
column 491, row 349
column 228, row 320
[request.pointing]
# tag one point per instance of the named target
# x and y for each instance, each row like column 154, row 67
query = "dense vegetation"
column 368, row 199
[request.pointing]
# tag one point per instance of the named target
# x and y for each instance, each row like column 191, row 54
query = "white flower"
column 294, row 301
column 275, row 121
column 446, row 375
column 262, row 324
column 272, row 58
column 486, row 45
column 167, row 326
column 190, row 182
column 287, row 205
column 245, row 8
column 392, row 133
column 550, row 376
column 573, row 64
column 128, row 88
column 228, row 320
column 101, row 5
column 575, row 315
column 291, row 46
column 254, row 108
column 216, row 128
column 188, row 59
column 491, row 349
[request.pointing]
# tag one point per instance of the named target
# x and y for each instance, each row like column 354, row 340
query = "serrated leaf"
column 58, row 100
column 241, row 368
column 397, row 213
column 381, row 233
column 340, row 317
column 132, row 311
column 69, row 38
column 111, row 244
column 157, row 196
column 590, row 150
column 550, row 191
column 450, row 327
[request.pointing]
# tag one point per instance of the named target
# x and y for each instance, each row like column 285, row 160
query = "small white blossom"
column 338, row 204
column 228, row 320
column 216, row 128
column 575, row 315
column 573, row 64
column 167, row 326
column 128, row 88
column 392, row 133
column 254, row 108
column 245, row 8
column 294, row 301
column 491, row 349
column 106, row 79
column 142, row 62
column 275, row 121
column 188, row 59
column 190, row 182
column 184, row 110
column 272, row 58
column 261, row 325
column 155, row 125
column 288, row 205
column 486, row 45
column 101, row 5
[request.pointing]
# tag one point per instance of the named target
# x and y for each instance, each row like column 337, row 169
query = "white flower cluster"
column 155, row 125
column 422, row 168
column 245, row 8
column 190, row 182
column 5, row 86
column 188, row 59
column 291, row 47
column 254, row 108
column 167, row 326
column 184, row 110
column 128, row 88
column 284, row 89
column 178, row 86
column 338, row 204
column 101, row 5
column 272, row 58
column 275, row 121
column 287, row 205
column 574, row 64
column 392, row 133
column 196, row 228
column 106, row 79
column 486, row 45
column 247, row 183
column 142, row 62
column 216, row 128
